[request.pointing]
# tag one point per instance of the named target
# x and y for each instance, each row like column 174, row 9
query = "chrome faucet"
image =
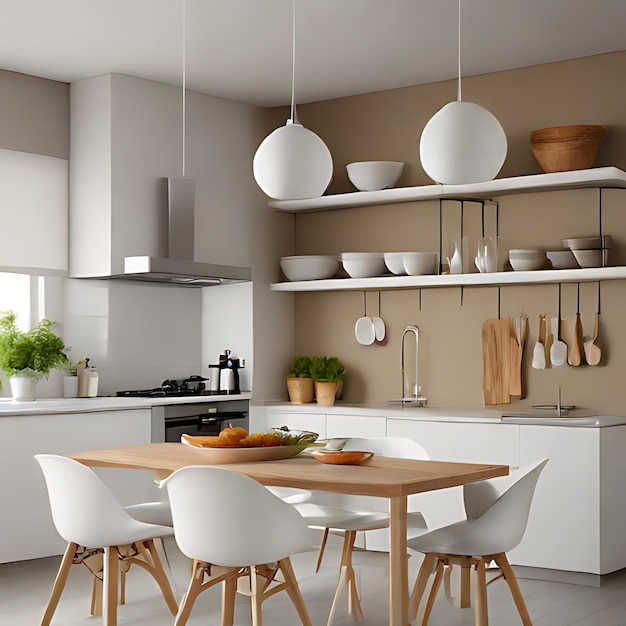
column 414, row 397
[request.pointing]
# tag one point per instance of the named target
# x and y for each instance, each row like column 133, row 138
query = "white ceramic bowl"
column 419, row 263
column 374, row 175
column 587, row 243
column 527, row 259
column 314, row 267
column 562, row 259
column 363, row 264
column 591, row 258
column 394, row 263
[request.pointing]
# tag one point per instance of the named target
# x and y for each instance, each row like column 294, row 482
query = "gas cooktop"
column 192, row 386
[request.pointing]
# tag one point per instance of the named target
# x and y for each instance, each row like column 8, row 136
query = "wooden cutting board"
column 498, row 341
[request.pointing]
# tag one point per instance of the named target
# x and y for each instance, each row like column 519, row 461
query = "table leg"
column 398, row 564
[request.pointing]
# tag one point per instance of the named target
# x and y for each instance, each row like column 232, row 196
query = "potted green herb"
column 327, row 373
column 26, row 357
column 299, row 381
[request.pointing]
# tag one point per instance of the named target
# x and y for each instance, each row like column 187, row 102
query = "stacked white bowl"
column 363, row 264
column 527, row 259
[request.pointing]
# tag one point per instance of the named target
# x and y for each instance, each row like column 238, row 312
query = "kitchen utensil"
column 539, row 353
column 364, row 328
column 593, row 354
column 558, row 351
column 487, row 255
column 342, row 457
column 380, row 332
column 374, row 175
column 496, row 342
column 455, row 264
column 574, row 355
column 312, row 267
column 363, row 264
column 518, row 340
column 565, row 148
column 419, row 263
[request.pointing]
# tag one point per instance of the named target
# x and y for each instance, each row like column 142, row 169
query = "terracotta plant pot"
column 325, row 393
column 566, row 148
column 300, row 390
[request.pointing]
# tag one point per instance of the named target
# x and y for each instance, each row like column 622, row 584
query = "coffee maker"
column 225, row 374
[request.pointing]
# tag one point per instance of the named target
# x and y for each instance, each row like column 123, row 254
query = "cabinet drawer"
column 355, row 426
column 463, row 443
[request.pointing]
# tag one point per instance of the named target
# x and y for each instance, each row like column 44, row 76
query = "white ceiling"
column 241, row 49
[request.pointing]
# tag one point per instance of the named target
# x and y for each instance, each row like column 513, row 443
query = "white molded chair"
column 497, row 514
column 238, row 533
column 100, row 534
column 349, row 515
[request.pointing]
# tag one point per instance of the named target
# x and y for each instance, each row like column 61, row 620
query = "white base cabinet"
column 578, row 515
column 27, row 528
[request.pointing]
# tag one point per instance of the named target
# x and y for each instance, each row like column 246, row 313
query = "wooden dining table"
column 385, row 477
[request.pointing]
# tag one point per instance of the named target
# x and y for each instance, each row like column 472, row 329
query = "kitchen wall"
column 387, row 126
column 137, row 334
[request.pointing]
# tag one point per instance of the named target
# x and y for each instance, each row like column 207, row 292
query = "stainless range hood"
column 179, row 268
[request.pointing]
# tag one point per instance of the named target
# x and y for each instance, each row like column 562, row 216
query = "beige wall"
column 387, row 125
column 35, row 115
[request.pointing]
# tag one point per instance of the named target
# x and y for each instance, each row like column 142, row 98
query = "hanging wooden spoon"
column 574, row 355
column 593, row 354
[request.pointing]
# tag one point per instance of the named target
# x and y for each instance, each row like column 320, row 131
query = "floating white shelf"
column 495, row 279
column 595, row 177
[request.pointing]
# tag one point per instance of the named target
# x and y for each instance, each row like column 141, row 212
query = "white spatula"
column 539, row 353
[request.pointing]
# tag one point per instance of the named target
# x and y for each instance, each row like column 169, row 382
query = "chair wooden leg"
column 229, row 591
column 426, row 569
column 505, row 567
column 194, row 589
column 96, row 597
column 322, row 548
column 161, row 578
column 346, row 573
column 59, row 583
column 466, row 563
column 111, row 569
column 433, row 592
column 293, row 589
column 482, row 615
column 256, row 599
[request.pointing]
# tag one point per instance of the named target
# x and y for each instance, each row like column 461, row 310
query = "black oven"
column 170, row 421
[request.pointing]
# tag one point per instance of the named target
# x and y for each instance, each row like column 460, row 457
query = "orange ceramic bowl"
column 342, row 457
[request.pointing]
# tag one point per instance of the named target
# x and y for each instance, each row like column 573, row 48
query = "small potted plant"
column 299, row 381
column 327, row 373
column 26, row 357
column 70, row 375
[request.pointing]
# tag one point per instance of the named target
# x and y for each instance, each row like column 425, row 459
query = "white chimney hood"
column 179, row 267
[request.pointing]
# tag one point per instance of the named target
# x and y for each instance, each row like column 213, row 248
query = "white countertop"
column 575, row 417
column 9, row 407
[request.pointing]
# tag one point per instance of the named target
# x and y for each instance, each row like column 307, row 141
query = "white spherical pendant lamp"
column 293, row 163
column 463, row 142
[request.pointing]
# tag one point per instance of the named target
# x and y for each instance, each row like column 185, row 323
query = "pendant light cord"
column 294, row 115
column 458, row 93
column 184, row 104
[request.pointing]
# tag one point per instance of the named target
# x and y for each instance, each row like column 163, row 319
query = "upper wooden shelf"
column 595, row 177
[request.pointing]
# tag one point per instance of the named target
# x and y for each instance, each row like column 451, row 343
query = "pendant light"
column 463, row 142
column 292, row 162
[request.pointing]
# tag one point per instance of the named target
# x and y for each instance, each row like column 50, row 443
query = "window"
column 15, row 295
